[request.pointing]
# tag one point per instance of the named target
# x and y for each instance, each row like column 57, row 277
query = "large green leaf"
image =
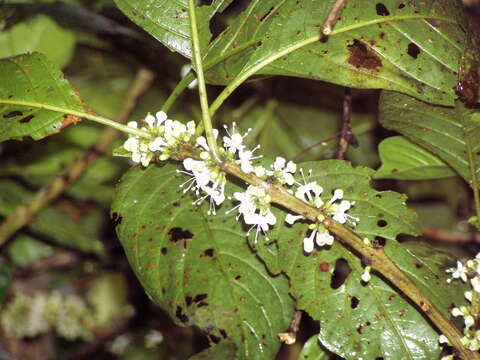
column 312, row 350
column 199, row 268
column 168, row 20
column 402, row 159
column 448, row 134
column 40, row 34
column 360, row 320
column 413, row 47
column 35, row 81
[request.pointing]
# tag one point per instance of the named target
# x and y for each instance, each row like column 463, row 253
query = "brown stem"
column 346, row 134
column 318, row 143
column 290, row 336
column 441, row 235
column 332, row 17
column 25, row 212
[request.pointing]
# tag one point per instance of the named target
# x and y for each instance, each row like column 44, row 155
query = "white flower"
column 283, row 171
column 234, row 141
column 310, row 193
column 458, row 273
column 308, row 243
column 204, row 178
column 245, row 160
column 475, row 283
column 366, row 274
column 469, row 295
column 255, row 208
column 338, row 211
column 291, row 219
column 166, row 136
column 442, row 339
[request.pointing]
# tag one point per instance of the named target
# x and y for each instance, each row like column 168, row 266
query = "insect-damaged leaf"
column 199, row 268
column 451, row 135
column 28, row 83
column 362, row 320
column 409, row 46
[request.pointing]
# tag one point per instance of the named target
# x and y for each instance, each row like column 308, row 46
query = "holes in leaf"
column 26, row 119
column 209, row 252
column 379, row 358
column 379, row 241
column 12, row 114
column 164, row 251
column 381, row 10
column 340, row 274
column 401, row 6
column 354, row 302
column 116, row 218
column 177, row 233
column 267, row 14
column 413, row 50
column 382, row 223
column 180, row 316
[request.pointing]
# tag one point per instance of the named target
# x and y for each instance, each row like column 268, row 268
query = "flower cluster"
column 207, row 179
column 166, row 135
column 468, row 271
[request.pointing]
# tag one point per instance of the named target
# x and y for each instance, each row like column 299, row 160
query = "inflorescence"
column 207, row 179
column 467, row 272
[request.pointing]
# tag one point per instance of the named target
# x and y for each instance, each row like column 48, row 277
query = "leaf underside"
column 440, row 130
column 404, row 160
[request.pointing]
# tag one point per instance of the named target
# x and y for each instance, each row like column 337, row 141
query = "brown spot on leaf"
column 413, row 50
column 323, row 266
column 177, row 233
column 381, row 10
column 363, row 57
column 12, row 114
column 69, row 119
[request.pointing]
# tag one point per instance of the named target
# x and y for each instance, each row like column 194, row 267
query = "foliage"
column 329, row 237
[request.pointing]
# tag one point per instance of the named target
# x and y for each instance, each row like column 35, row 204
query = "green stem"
column 202, row 90
column 183, row 83
column 96, row 118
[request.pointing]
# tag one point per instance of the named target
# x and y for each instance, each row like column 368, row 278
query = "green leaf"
column 442, row 131
column 30, row 82
column 40, row 34
column 403, row 160
column 199, row 268
column 312, row 350
column 360, row 320
column 168, row 21
column 412, row 47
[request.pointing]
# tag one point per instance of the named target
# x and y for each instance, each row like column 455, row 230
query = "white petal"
column 290, row 218
column 308, row 244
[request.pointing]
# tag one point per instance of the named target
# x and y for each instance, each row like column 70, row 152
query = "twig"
column 290, row 336
column 332, row 17
column 314, row 145
column 346, row 134
column 445, row 236
column 25, row 212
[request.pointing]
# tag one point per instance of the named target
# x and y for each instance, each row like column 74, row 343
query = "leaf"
column 33, row 80
column 40, row 34
column 440, row 130
column 403, row 160
column 312, row 350
column 168, row 21
column 360, row 320
column 199, row 268
column 412, row 47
